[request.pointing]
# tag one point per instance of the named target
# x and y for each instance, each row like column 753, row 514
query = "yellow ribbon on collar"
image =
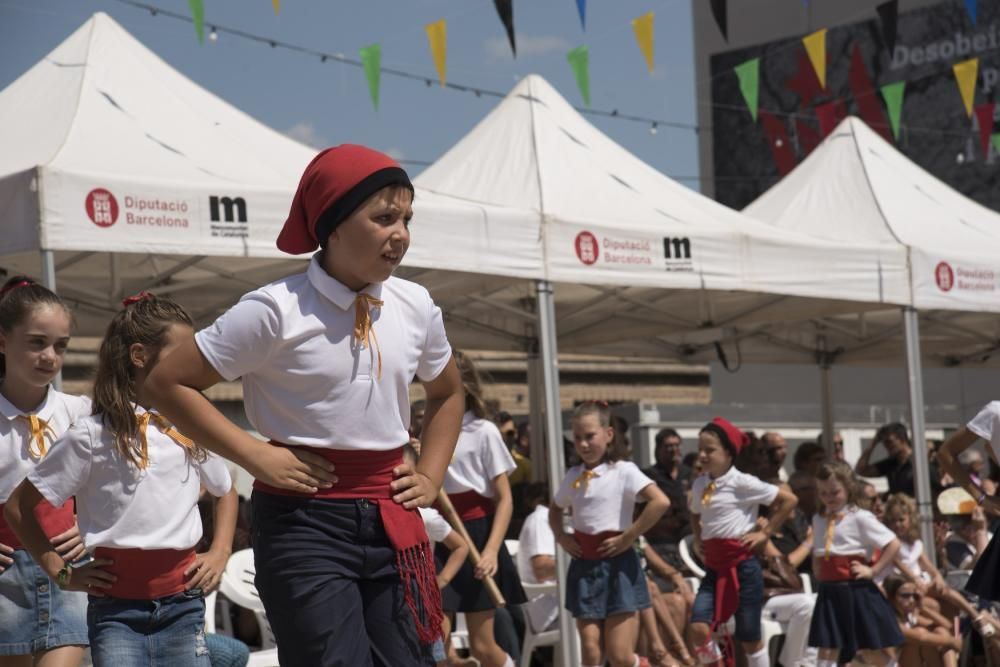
column 165, row 428
column 706, row 495
column 831, row 524
column 38, row 428
column 584, row 479
column 363, row 331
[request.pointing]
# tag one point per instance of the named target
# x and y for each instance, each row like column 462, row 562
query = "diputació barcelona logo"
column 587, row 250
column 102, row 207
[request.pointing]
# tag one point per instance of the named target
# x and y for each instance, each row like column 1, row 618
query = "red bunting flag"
column 984, row 118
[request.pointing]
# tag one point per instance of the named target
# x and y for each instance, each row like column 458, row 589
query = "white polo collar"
column 43, row 411
column 334, row 290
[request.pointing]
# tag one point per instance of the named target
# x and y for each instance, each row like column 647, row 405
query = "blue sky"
column 328, row 103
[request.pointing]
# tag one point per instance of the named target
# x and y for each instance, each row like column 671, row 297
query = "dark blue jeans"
column 167, row 631
column 327, row 576
column 750, row 605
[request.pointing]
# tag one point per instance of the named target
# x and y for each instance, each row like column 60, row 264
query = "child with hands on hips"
column 605, row 585
column 851, row 614
column 38, row 621
column 728, row 532
column 136, row 480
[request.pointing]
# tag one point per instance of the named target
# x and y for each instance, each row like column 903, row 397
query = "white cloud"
column 305, row 132
column 527, row 45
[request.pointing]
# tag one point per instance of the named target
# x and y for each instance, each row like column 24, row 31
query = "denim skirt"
column 596, row 589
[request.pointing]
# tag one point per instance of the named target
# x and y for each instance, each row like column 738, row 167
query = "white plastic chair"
column 512, row 547
column 210, row 612
column 238, row 586
column 537, row 637
column 687, row 556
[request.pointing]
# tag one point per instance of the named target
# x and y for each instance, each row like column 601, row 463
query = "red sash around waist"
column 368, row 474
column 590, row 543
column 838, row 568
column 722, row 556
column 54, row 521
column 146, row 574
column 470, row 505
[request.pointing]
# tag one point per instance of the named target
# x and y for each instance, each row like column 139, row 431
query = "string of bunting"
column 747, row 73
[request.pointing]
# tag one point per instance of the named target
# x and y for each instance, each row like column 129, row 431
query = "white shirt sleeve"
column 241, row 340
column 873, row 532
column 563, row 497
column 66, row 468
column 496, row 457
column 757, row 491
column 437, row 350
column 635, row 480
column 437, row 528
column 697, row 490
column 215, row 475
column 987, row 426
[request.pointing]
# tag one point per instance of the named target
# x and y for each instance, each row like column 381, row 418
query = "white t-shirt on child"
column 732, row 509
column 986, row 425
column 604, row 502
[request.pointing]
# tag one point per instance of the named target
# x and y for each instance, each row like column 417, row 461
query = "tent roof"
column 855, row 185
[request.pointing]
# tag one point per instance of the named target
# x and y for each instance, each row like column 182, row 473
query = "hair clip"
column 136, row 298
column 22, row 283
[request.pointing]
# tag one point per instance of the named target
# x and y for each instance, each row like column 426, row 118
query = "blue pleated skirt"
column 853, row 616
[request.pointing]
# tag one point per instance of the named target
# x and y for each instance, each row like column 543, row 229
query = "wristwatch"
column 62, row 577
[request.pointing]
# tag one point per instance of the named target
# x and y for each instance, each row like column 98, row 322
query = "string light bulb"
column 652, row 128
column 213, row 35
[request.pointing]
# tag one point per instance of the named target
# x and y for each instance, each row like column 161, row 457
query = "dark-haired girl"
column 727, row 530
column 38, row 621
column 606, row 585
column 136, row 480
column 477, row 484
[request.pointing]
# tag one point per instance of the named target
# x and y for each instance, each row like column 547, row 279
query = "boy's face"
column 368, row 246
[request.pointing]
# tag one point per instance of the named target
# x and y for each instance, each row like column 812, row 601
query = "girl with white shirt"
column 136, row 480
column 477, row 484
column 38, row 621
column 727, row 530
column 851, row 614
column 326, row 358
column 605, row 585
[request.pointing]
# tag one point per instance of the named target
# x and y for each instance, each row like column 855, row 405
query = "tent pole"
column 49, row 280
column 536, row 415
column 826, row 395
column 554, row 441
column 921, row 467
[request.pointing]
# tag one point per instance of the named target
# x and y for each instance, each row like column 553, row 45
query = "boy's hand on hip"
column 293, row 469
column 412, row 489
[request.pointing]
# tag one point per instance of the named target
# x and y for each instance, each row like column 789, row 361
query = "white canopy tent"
column 856, row 185
column 118, row 173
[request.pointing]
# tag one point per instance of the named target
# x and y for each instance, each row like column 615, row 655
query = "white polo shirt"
column 535, row 539
column 58, row 410
column 480, row 456
column 305, row 380
column 732, row 511
column 118, row 505
column 857, row 534
column 607, row 500
column 435, row 524
column 987, row 426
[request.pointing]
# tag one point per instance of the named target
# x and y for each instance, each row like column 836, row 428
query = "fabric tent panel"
column 949, row 281
column 19, row 201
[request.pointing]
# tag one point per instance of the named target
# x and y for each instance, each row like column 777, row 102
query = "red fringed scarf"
column 722, row 557
column 367, row 474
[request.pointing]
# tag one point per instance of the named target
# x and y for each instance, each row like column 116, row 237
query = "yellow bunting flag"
column 643, row 27
column 816, row 48
column 965, row 74
column 437, row 35
column 277, row 6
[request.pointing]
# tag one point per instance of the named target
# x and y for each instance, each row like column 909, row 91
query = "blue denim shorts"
column 166, row 631
column 35, row 614
column 750, row 605
column 601, row 588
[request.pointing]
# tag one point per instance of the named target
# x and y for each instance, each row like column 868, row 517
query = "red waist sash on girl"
column 146, row 574
column 838, row 568
column 367, row 474
column 54, row 521
column 722, row 556
column 470, row 505
column 590, row 543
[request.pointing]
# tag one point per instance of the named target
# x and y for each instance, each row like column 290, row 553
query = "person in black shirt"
column 897, row 468
column 674, row 479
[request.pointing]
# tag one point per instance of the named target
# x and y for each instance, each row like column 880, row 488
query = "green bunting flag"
column 198, row 16
column 579, row 60
column 749, row 75
column 996, row 142
column 892, row 93
column 371, row 58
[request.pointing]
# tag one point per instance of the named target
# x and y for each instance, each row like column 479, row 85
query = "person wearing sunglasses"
column 928, row 639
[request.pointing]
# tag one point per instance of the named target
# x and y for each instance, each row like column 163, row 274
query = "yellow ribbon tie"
column 165, row 428
column 706, row 495
column 363, row 331
column 38, row 428
column 584, row 479
column 831, row 523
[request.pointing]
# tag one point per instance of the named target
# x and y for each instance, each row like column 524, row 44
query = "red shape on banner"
column 867, row 98
column 984, row 116
column 809, row 138
column 804, row 83
column 830, row 115
column 777, row 141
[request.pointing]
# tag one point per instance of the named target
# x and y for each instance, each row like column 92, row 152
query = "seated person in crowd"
column 673, row 478
column 803, row 485
column 897, row 467
column 809, row 457
column 968, row 539
column 536, row 557
column 928, row 637
column 871, row 500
